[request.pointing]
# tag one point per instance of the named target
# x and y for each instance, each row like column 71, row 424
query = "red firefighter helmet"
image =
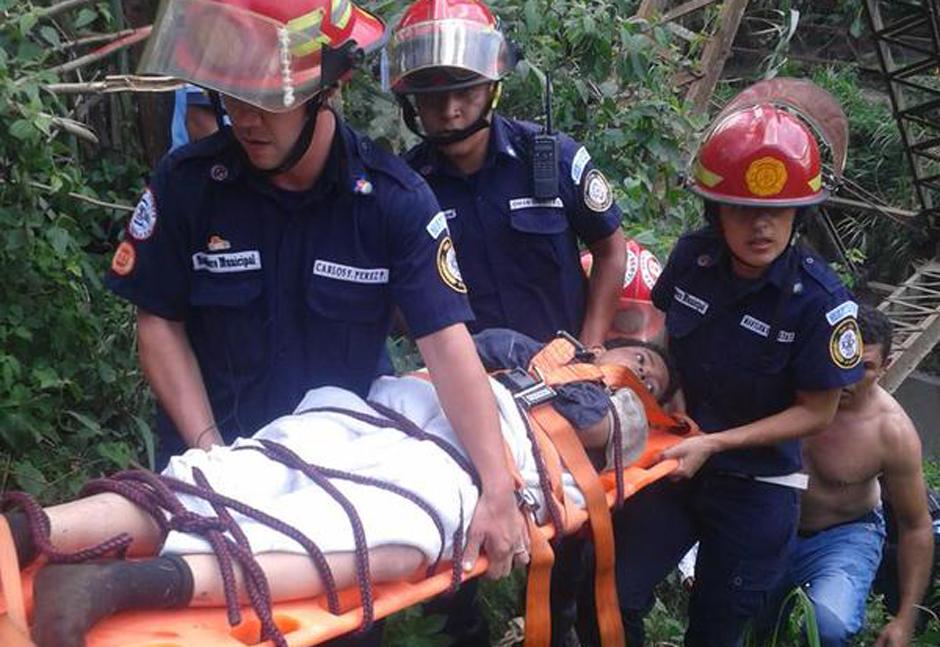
column 761, row 155
column 447, row 44
column 636, row 316
column 269, row 53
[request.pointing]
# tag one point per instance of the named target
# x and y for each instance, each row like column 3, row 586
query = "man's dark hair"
column 876, row 329
column 629, row 342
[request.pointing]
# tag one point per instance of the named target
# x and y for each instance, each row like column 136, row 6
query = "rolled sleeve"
column 151, row 265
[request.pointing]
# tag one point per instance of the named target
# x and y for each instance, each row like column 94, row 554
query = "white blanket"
column 341, row 442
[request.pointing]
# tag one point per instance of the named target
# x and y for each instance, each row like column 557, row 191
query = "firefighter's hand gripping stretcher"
column 344, row 492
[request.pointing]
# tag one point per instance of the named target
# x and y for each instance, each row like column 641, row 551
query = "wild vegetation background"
column 72, row 401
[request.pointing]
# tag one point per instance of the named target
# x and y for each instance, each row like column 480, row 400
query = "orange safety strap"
column 538, row 619
column 558, row 352
column 579, row 465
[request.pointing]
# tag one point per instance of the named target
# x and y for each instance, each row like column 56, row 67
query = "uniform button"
column 737, row 581
column 810, row 261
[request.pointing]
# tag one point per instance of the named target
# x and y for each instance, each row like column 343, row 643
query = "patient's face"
column 647, row 364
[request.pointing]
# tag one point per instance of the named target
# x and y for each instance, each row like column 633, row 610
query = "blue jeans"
column 835, row 567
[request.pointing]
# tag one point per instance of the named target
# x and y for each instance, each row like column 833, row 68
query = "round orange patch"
column 766, row 176
column 124, row 258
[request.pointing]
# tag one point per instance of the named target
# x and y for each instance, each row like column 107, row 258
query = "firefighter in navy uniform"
column 764, row 337
column 267, row 259
column 518, row 252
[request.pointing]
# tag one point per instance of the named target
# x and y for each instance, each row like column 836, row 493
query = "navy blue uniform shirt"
column 519, row 255
column 283, row 291
column 743, row 348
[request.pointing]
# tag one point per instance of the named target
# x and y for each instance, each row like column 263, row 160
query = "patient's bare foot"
column 71, row 598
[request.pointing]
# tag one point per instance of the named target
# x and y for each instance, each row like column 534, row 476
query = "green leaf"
column 86, row 422
column 59, row 238
column 106, row 372
column 27, row 22
column 119, row 454
column 85, row 17
column 50, row 35
column 29, row 478
column 22, row 129
column 146, row 436
column 533, row 17
column 46, row 377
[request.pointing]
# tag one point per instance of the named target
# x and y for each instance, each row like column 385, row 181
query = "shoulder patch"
column 845, row 344
column 580, row 161
column 841, row 311
column 597, row 194
column 124, row 259
column 144, row 219
column 447, row 266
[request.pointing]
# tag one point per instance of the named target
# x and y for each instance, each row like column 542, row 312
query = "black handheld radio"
column 545, row 154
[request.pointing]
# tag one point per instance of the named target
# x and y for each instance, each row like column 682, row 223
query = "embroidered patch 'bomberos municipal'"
column 845, row 344
column 124, row 258
column 447, row 266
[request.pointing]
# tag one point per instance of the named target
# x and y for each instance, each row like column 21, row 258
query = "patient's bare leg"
column 87, row 522
column 293, row 576
column 70, row 599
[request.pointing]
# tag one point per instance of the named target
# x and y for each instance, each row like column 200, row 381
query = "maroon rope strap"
column 329, row 472
column 39, row 529
column 287, row 457
column 397, row 421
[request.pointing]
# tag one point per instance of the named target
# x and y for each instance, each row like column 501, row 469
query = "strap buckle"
column 525, row 388
column 526, row 500
column 581, row 354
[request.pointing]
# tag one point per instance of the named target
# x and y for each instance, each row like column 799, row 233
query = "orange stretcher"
column 303, row 623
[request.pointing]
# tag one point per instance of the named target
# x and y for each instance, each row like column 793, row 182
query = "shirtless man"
column 842, row 530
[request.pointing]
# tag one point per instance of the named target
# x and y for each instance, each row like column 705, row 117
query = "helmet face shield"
column 459, row 45
column 260, row 60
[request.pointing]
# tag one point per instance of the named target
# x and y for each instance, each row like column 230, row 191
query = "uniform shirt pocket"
column 352, row 318
column 229, row 322
column 539, row 237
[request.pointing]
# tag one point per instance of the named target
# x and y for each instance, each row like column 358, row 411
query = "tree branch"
column 92, row 40
column 58, row 8
column 78, row 196
column 135, row 36
column 118, row 83
column 73, row 127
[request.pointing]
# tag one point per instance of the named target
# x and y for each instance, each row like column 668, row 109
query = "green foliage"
column 70, row 396
column 412, row 628
column 932, row 473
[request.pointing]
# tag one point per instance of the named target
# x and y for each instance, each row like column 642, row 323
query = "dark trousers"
column 744, row 528
column 465, row 625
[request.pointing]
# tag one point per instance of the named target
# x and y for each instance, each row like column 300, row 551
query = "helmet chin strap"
column 296, row 152
column 410, row 116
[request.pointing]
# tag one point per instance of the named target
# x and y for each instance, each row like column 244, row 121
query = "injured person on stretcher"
column 389, row 481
